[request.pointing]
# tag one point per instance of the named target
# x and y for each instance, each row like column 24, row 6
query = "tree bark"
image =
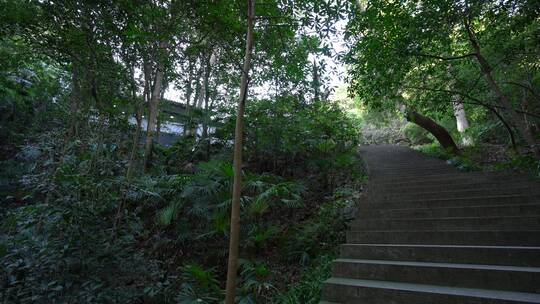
column 202, row 86
column 210, row 61
column 230, row 290
column 434, row 128
column 159, row 116
column 507, row 127
column 138, row 118
column 189, row 91
column 152, row 110
column 486, row 69
column 461, row 121
column 316, row 82
column 74, row 102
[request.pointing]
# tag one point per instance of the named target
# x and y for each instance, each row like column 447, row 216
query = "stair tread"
column 462, row 207
column 446, row 246
column 513, row 195
column 436, row 289
column 453, row 218
column 442, row 265
column 446, row 230
column 429, row 233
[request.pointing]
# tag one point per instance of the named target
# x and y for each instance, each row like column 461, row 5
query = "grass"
column 483, row 157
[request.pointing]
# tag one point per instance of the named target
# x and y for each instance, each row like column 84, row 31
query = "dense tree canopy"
column 431, row 54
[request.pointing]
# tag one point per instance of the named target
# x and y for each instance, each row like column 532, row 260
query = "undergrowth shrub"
column 290, row 138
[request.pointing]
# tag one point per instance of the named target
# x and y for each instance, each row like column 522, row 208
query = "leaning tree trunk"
column 230, row 290
column 435, row 129
column 152, row 111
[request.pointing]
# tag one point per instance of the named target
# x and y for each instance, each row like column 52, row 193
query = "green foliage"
column 63, row 250
column 201, row 286
column 325, row 230
column 254, row 285
column 424, row 57
column 524, row 163
column 308, row 288
column 28, row 86
column 461, row 161
column 291, row 138
column 416, row 135
column 77, row 228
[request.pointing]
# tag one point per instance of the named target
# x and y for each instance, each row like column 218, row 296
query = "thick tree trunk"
column 486, row 69
column 434, row 128
column 152, row 112
column 230, row 290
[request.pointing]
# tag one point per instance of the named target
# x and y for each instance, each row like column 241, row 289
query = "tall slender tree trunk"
column 191, row 127
column 200, row 100
column 189, row 91
column 461, row 121
column 138, row 119
column 210, row 61
column 152, row 110
column 74, row 102
column 316, row 81
column 504, row 100
column 160, row 117
column 230, row 290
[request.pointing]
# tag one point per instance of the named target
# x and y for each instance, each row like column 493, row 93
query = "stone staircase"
column 428, row 233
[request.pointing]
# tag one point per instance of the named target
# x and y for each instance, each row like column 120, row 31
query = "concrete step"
column 452, row 202
column 481, row 210
column 423, row 166
column 447, row 237
column 457, row 275
column 450, row 223
column 457, row 177
column 453, row 193
column 491, row 255
column 426, row 187
column 425, row 169
column 428, row 233
column 392, row 173
column 353, row 291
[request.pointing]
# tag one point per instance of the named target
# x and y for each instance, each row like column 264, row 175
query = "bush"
column 290, row 138
column 417, row 135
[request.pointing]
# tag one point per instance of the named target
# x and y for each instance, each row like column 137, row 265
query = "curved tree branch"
column 475, row 101
column 492, row 108
column 524, row 86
